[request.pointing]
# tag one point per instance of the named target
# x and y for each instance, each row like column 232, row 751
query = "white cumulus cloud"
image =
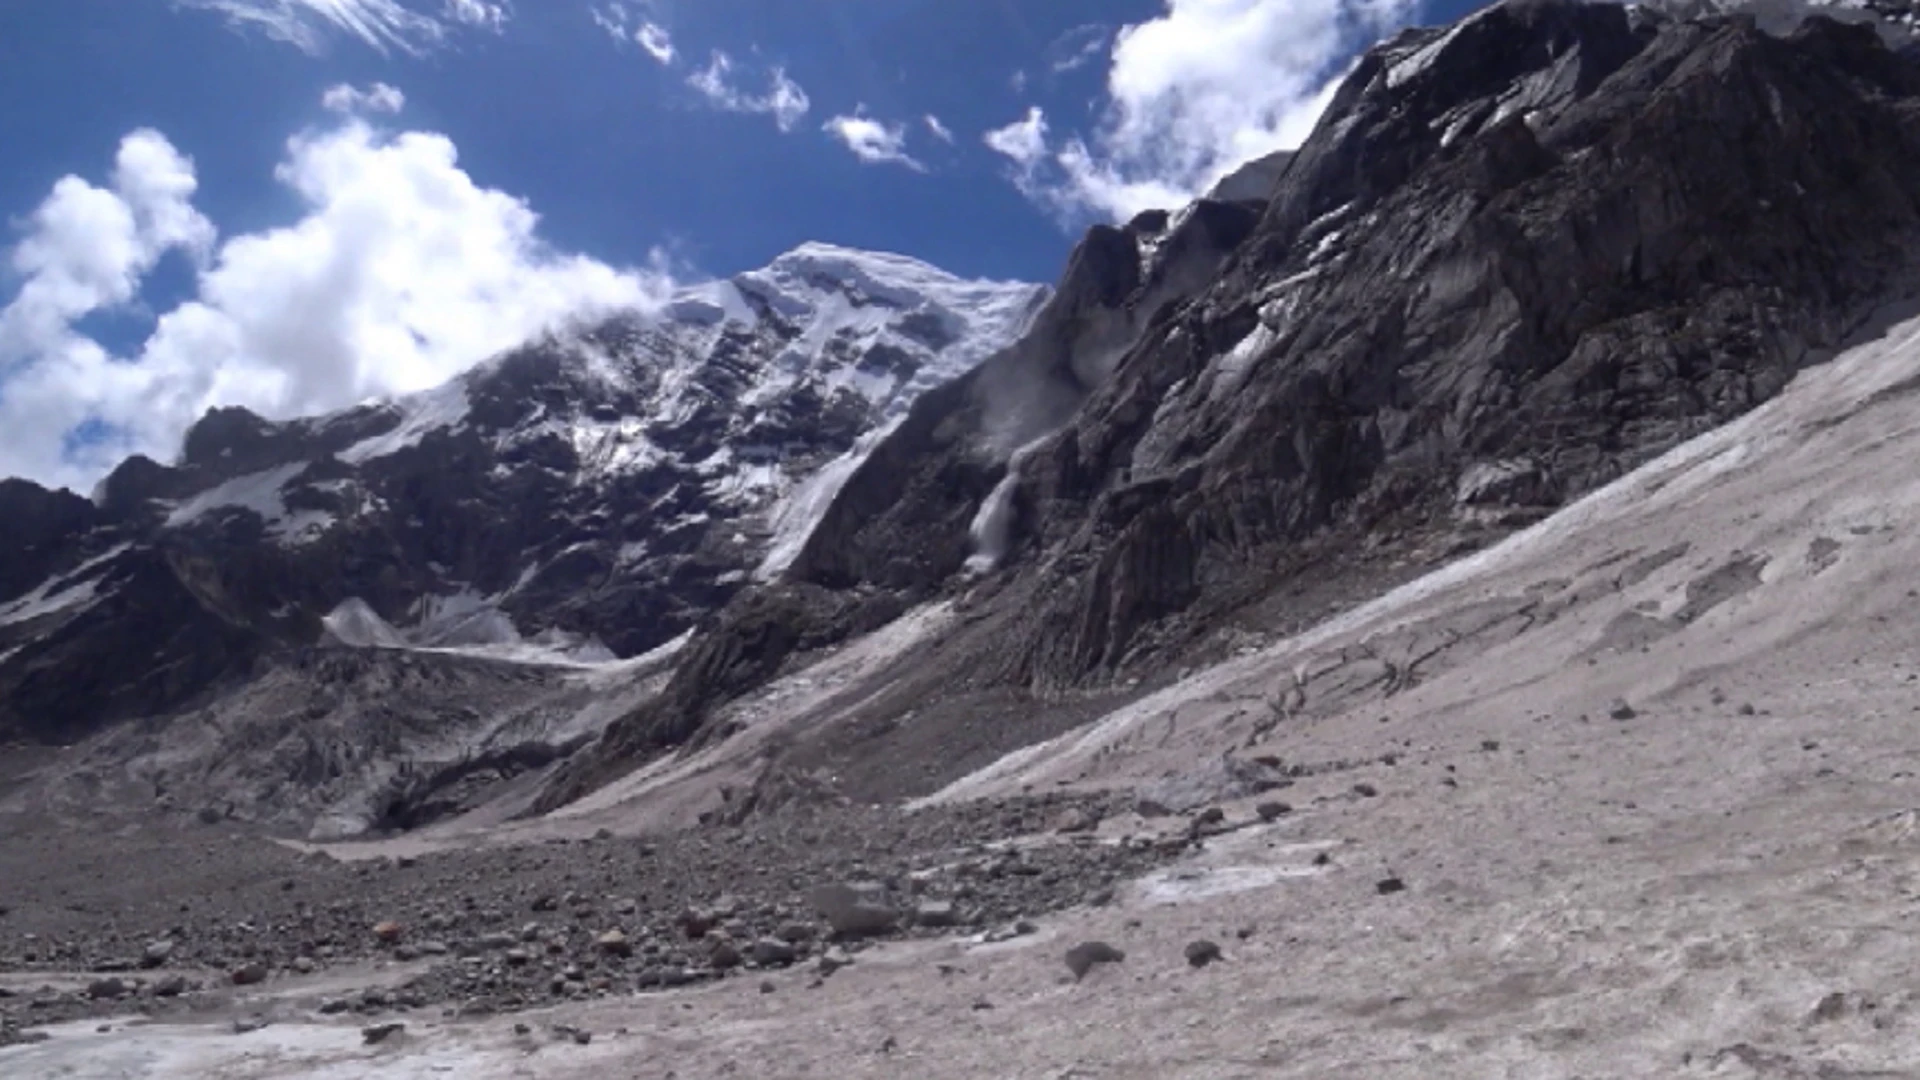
column 1193, row 93
column 377, row 98
column 413, row 26
column 1024, row 142
column 872, row 141
column 400, row 272
column 784, row 99
column 939, row 130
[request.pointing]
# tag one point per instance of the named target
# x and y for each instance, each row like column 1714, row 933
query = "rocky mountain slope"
column 1629, row 794
column 584, row 498
column 1517, row 257
column 1441, row 618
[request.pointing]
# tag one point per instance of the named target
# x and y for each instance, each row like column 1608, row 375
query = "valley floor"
column 1632, row 794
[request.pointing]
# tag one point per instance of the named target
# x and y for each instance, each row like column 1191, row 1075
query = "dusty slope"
column 1721, row 884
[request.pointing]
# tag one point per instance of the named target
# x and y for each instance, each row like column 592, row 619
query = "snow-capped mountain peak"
column 610, row 483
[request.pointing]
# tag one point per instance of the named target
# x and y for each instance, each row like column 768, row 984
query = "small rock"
column 249, row 1024
column 695, row 923
column 833, row 960
column 1076, row 819
column 772, row 952
column 854, row 910
column 1620, row 710
column 766, row 986
column 1150, row 808
column 1389, row 886
column 724, row 957
column 1366, row 791
column 170, row 987
column 603, row 833
column 157, row 953
column 614, row 943
column 304, row 965
column 387, row 932
column 1202, row 953
column 1083, row 957
column 250, row 974
column 334, row 1006
column 934, row 913
column 1272, row 811
column 1019, row 929
column 1829, row 1008
column 797, row 932
column 379, row 1033
column 1207, row 818
column 106, row 989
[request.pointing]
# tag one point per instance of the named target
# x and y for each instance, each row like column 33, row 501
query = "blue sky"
column 297, row 204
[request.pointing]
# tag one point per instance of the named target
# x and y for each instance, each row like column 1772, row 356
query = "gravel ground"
column 97, row 923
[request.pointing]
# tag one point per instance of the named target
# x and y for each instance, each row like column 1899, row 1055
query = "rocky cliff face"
column 1517, row 257
column 587, row 496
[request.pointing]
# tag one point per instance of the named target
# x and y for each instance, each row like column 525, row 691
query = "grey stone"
column 935, row 913
column 379, row 1033
column 107, row 989
column 1201, row 953
column 773, row 952
column 854, row 910
column 1085, row 956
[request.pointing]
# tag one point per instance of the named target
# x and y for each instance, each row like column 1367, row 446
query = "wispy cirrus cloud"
column 784, row 99
column 411, row 26
column 631, row 24
column 1078, row 47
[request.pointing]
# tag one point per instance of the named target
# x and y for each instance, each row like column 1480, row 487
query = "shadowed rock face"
column 1550, row 241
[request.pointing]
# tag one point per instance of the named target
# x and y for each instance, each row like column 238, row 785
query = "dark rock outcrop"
column 1551, row 235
